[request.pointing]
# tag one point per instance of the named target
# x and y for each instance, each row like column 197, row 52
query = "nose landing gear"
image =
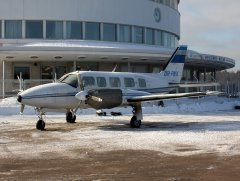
column 40, row 123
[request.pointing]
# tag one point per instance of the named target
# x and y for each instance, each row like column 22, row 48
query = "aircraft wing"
column 188, row 85
column 154, row 97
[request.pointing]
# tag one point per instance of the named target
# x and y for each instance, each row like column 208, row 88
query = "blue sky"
column 212, row 27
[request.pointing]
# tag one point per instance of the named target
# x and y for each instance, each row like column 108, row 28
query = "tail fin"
column 174, row 68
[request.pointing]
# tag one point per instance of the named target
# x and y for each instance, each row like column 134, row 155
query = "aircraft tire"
column 40, row 125
column 135, row 123
column 70, row 118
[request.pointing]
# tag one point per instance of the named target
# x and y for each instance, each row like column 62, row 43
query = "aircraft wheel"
column 40, row 125
column 135, row 123
column 70, row 117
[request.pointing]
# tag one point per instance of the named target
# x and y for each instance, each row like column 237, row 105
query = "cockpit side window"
column 70, row 79
column 88, row 81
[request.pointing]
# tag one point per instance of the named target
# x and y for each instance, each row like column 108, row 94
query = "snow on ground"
column 183, row 127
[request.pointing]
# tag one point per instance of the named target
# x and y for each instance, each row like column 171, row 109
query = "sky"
column 212, row 27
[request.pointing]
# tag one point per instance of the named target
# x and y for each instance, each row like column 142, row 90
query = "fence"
column 12, row 87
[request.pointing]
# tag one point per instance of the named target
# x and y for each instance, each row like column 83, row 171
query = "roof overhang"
column 105, row 51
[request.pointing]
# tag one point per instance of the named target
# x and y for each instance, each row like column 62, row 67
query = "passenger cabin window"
column 88, row 81
column 114, row 82
column 142, row 83
column 70, row 79
column 101, row 82
column 129, row 82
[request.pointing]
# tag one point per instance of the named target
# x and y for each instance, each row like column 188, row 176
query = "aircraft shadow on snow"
column 223, row 126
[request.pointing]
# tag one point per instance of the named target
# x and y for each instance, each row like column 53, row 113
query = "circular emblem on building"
column 157, row 15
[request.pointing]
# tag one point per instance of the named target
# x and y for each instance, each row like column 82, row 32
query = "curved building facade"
column 43, row 39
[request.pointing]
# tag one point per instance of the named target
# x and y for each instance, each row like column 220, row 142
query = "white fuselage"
column 61, row 95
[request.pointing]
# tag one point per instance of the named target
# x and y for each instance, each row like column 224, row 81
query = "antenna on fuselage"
column 115, row 68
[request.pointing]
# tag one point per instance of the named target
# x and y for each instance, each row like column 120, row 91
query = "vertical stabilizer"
column 173, row 70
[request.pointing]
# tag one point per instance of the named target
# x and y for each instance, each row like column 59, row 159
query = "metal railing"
column 13, row 86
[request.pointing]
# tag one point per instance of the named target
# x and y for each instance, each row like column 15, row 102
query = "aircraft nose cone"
column 19, row 99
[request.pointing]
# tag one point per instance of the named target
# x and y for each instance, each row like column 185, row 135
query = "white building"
column 43, row 38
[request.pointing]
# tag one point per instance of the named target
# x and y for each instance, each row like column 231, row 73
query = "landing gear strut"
column 40, row 123
column 137, row 116
column 70, row 117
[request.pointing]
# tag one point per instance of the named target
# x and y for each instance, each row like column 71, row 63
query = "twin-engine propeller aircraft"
column 106, row 90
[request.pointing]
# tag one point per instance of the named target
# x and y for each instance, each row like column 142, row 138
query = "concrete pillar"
column 129, row 67
column 74, row 65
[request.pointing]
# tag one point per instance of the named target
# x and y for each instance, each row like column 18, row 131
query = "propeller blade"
column 97, row 99
column 22, row 108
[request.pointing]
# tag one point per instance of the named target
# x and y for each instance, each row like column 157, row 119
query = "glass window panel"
column 101, row 82
column 142, row 83
column 88, row 81
column 74, row 30
column 114, row 82
column 60, row 71
column 164, row 39
column 71, row 80
column 125, row 33
column 24, row 70
column 47, row 72
column 13, row 29
column 34, row 29
column 158, row 35
column 92, row 31
column 149, row 36
column 138, row 34
column 109, row 32
column 54, row 30
column 129, row 82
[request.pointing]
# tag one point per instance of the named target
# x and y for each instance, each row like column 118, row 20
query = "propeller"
column 85, row 96
column 22, row 108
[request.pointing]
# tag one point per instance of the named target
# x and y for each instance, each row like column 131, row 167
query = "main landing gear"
column 40, row 123
column 70, row 117
column 137, row 116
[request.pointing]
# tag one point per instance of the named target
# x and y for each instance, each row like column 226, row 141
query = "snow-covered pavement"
column 186, row 127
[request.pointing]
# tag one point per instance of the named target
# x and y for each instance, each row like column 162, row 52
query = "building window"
column 74, row 30
column 92, row 31
column 54, row 30
column 47, row 72
column 149, row 36
column 138, row 34
column 158, row 38
column 34, row 29
column 25, row 71
column 13, row 29
column 109, row 32
column 125, row 33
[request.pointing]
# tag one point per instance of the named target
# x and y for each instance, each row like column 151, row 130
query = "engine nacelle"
column 110, row 98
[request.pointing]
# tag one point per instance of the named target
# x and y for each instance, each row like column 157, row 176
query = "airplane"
column 107, row 90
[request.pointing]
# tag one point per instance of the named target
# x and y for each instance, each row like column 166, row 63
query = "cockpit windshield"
column 70, row 79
